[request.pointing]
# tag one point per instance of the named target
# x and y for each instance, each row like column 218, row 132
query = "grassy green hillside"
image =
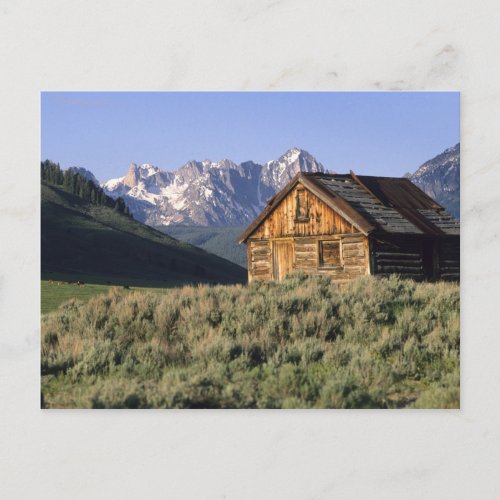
column 55, row 292
column 302, row 343
column 98, row 244
column 221, row 241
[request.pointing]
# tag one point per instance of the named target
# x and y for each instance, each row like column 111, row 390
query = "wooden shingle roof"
column 372, row 204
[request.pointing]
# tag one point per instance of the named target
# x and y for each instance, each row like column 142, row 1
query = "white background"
column 248, row 45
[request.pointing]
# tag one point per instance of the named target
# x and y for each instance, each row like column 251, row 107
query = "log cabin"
column 345, row 225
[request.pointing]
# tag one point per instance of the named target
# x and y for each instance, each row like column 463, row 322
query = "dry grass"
column 302, row 343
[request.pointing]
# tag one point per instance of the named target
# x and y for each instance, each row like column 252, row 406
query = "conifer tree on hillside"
column 80, row 186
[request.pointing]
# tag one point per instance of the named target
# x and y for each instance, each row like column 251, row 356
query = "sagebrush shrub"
column 303, row 343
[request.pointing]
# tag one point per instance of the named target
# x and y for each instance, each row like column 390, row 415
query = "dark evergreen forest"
column 80, row 186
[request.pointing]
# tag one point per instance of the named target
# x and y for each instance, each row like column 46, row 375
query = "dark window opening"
column 329, row 254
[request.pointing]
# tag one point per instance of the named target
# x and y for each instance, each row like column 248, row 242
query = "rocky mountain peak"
column 294, row 153
column 226, row 193
column 132, row 176
column 207, row 192
column 276, row 174
column 439, row 177
column 448, row 159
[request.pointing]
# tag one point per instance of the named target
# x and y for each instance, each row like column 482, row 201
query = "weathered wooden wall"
column 322, row 219
column 398, row 255
column 353, row 256
column 449, row 258
column 305, row 256
column 259, row 260
column 357, row 254
column 304, row 237
column 404, row 256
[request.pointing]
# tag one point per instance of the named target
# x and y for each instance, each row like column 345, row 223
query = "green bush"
column 303, row 343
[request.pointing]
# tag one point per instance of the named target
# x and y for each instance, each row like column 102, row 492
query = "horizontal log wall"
column 353, row 248
column 306, row 253
column 354, row 258
column 282, row 222
column 449, row 258
column 398, row 256
column 401, row 256
column 259, row 260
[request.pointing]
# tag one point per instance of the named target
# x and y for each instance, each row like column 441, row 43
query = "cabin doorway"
column 282, row 258
column 429, row 259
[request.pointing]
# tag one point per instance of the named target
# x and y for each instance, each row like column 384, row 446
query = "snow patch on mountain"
column 207, row 192
column 174, row 193
column 440, row 179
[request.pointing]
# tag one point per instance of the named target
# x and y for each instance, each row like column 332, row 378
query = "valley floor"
column 302, row 343
column 58, row 288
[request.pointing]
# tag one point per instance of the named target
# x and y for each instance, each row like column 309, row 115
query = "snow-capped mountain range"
column 207, row 193
column 224, row 193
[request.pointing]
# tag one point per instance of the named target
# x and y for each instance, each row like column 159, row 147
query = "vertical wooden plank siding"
column 368, row 257
column 322, row 219
column 282, row 255
column 284, row 242
column 304, row 230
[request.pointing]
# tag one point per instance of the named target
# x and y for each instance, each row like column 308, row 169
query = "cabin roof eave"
column 372, row 204
column 271, row 205
column 336, row 203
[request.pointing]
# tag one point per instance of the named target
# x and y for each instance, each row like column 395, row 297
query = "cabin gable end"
column 302, row 213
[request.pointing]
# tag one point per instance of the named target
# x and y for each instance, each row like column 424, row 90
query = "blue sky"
column 378, row 133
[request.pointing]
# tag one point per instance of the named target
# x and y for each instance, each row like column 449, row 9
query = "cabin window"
column 302, row 208
column 329, row 254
